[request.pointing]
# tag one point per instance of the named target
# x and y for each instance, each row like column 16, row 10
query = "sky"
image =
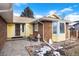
column 44, row 9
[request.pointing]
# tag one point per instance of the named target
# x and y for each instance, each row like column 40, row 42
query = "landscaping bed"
column 71, row 49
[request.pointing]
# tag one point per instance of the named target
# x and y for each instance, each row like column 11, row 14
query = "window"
column 35, row 27
column 22, row 27
column 61, row 27
column 54, row 27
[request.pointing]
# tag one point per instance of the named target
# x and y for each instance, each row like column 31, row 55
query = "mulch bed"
column 68, row 47
column 31, row 49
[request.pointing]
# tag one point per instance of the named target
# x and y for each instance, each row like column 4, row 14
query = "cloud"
column 16, row 14
column 60, row 12
column 72, row 17
column 66, row 9
column 38, row 16
column 52, row 12
column 75, row 13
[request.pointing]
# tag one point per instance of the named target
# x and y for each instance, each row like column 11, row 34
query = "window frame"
column 62, row 28
column 23, row 27
column 54, row 29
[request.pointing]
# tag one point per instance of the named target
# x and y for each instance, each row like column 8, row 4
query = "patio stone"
column 16, row 48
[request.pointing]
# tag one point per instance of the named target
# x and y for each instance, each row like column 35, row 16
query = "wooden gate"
column 73, row 33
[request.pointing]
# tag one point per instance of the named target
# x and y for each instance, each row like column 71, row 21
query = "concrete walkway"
column 16, row 48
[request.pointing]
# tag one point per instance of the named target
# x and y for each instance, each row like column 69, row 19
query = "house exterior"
column 51, row 27
column 20, row 27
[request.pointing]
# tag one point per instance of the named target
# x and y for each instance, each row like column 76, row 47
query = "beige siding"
column 10, row 30
column 28, row 29
column 60, row 37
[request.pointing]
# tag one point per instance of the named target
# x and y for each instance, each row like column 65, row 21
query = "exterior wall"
column 48, row 34
column 62, row 36
column 59, row 36
column 10, row 30
column 47, row 30
column 28, row 29
column 3, row 32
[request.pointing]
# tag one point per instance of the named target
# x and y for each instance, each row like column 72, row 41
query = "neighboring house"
column 74, row 31
column 51, row 27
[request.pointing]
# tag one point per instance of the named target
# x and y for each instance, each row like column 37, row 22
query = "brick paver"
column 16, row 48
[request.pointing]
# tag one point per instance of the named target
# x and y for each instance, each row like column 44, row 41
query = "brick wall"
column 3, row 32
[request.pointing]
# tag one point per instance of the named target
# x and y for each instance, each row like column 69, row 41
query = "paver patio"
column 16, row 48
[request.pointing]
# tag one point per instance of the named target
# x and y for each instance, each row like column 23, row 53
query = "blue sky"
column 44, row 9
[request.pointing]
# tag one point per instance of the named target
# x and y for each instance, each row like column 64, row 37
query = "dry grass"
column 73, row 51
column 72, row 48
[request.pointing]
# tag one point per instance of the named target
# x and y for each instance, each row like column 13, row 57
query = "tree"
column 27, row 13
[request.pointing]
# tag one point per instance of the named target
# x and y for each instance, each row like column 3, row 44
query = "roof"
column 48, row 19
column 76, row 26
column 17, row 19
column 5, row 6
column 53, row 17
column 6, row 11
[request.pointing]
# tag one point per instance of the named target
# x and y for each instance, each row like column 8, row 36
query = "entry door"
column 17, row 29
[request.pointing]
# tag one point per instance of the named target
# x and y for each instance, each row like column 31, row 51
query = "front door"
column 17, row 29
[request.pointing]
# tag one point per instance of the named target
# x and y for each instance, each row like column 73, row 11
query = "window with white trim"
column 61, row 27
column 54, row 27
